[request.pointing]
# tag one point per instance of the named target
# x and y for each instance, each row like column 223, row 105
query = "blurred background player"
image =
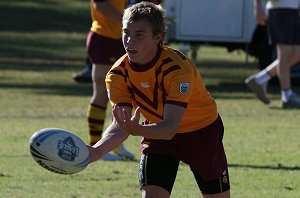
column 104, row 47
column 283, row 23
column 85, row 76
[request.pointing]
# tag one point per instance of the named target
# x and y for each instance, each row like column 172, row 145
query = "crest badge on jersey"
column 184, row 88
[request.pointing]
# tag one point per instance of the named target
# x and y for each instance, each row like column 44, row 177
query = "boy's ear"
column 159, row 37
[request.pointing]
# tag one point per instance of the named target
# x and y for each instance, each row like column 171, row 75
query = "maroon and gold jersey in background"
column 171, row 78
column 103, row 25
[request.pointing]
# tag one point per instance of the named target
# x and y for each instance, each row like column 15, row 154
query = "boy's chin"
column 132, row 59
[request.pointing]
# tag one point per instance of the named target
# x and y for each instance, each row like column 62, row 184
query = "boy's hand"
column 127, row 123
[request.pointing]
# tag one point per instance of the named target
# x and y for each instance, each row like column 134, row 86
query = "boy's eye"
column 139, row 35
column 125, row 31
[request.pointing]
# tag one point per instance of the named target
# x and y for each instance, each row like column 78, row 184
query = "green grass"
column 43, row 42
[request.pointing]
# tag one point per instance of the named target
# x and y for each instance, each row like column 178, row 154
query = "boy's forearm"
column 111, row 139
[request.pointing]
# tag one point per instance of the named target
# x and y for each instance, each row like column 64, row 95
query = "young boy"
column 182, row 122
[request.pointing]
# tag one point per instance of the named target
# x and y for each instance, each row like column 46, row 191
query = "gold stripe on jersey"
column 103, row 25
column 170, row 78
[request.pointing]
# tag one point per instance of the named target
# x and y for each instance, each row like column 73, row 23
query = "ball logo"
column 67, row 149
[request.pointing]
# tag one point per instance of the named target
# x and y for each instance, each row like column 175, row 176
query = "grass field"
column 43, row 42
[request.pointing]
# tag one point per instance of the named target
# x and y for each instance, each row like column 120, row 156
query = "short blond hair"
column 150, row 12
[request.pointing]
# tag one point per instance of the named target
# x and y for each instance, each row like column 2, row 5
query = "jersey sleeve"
column 117, row 89
column 180, row 85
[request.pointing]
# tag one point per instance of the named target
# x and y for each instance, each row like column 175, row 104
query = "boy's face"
column 139, row 42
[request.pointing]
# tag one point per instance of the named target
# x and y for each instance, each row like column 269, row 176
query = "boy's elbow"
column 170, row 135
column 172, row 130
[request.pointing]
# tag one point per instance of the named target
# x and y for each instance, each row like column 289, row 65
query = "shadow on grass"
column 235, row 90
column 41, row 65
column 52, row 89
column 33, row 16
column 266, row 167
column 45, row 29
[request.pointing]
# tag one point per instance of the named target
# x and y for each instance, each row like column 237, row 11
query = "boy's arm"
column 111, row 138
column 259, row 12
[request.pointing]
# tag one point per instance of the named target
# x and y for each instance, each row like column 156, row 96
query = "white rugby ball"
column 59, row 151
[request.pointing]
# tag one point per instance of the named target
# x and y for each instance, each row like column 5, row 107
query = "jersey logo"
column 184, row 88
column 145, row 84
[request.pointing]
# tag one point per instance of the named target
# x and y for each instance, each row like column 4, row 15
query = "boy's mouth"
column 131, row 51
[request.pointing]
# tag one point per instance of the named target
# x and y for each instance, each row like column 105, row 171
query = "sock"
column 286, row 94
column 96, row 119
column 262, row 77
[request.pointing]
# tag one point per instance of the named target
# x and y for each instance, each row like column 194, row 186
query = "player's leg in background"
column 84, row 76
column 288, row 55
column 98, row 103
